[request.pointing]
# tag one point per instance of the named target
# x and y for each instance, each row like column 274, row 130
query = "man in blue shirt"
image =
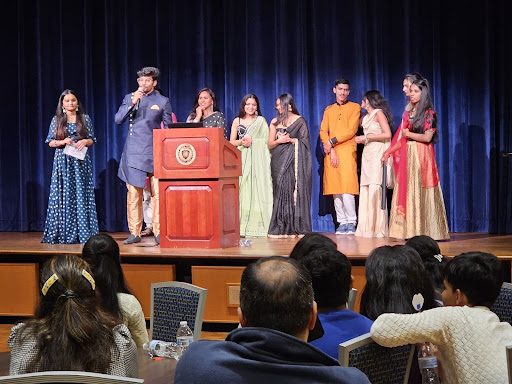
column 330, row 272
column 146, row 109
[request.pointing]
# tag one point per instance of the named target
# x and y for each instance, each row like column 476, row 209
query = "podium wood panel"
column 139, row 278
column 199, row 213
column 223, row 284
column 19, row 289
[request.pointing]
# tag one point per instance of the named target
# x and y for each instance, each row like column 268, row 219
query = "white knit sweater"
column 471, row 340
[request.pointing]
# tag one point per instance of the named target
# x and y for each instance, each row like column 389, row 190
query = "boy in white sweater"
column 470, row 338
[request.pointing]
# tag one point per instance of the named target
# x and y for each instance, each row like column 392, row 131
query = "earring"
column 256, row 113
column 63, row 110
column 77, row 108
column 289, row 108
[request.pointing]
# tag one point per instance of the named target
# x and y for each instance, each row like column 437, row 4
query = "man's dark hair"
column 149, row 71
column 341, row 80
column 310, row 242
column 276, row 293
column 330, row 273
column 478, row 275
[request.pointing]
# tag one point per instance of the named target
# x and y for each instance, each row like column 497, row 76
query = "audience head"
column 310, row 242
column 393, row 276
column 330, row 272
column 285, row 105
column 473, row 279
column 430, row 254
column 377, row 101
column 248, row 101
column 276, row 293
column 71, row 330
column 69, row 102
column 101, row 251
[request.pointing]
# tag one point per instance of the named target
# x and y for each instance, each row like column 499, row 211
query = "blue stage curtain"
column 266, row 47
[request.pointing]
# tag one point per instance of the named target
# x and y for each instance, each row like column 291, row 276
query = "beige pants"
column 134, row 207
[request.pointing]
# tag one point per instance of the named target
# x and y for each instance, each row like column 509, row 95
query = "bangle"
column 55, row 142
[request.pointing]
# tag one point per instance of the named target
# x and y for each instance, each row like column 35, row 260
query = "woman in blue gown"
column 71, row 215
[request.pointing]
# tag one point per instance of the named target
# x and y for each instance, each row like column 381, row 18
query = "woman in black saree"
column 291, row 171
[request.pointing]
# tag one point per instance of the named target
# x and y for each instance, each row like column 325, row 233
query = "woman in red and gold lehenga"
column 417, row 207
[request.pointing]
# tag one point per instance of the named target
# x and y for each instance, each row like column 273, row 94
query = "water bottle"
column 160, row 348
column 428, row 364
column 184, row 336
column 245, row 242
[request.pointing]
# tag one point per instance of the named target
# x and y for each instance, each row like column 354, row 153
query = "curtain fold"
column 265, row 47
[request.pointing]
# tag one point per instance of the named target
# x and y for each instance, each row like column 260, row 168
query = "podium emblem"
column 185, row 154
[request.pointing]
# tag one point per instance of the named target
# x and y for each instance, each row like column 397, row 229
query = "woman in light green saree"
column 249, row 132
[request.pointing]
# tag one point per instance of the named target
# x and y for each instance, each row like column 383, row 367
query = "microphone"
column 138, row 101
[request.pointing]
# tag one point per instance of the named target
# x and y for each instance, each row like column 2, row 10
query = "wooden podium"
column 198, row 172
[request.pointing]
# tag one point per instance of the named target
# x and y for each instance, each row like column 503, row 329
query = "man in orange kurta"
column 338, row 132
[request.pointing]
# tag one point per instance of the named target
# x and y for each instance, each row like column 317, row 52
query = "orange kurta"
column 341, row 121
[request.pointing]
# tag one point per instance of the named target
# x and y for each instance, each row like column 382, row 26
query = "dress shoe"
column 147, row 232
column 132, row 239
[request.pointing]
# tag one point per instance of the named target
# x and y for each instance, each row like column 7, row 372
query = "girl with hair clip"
column 394, row 274
column 249, row 132
column 70, row 331
column 373, row 221
column 291, row 171
column 102, row 253
column 207, row 111
column 434, row 262
column 417, row 207
column 71, row 214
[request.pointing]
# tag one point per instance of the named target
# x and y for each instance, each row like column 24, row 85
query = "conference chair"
column 172, row 302
column 382, row 365
column 352, row 296
column 503, row 305
column 67, row 377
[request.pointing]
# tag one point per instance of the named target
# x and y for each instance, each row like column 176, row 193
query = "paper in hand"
column 71, row 150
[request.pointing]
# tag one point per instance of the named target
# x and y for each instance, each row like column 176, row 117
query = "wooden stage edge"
column 356, row 248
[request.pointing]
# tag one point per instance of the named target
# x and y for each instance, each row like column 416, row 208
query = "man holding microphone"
column 145, row 109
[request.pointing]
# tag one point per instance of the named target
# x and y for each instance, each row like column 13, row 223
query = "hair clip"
column 69, row 294
column 48, row 283
column 439, row 257
column 89, row 278
column 417, row 301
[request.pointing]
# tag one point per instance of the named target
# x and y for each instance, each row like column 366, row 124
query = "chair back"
column 509, row 363
column 67, row 377
column 352, row 296
column 172, row 302
column 503, row 305
column 382, row 365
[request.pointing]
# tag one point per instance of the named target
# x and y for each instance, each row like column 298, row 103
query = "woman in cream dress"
column 373, row 221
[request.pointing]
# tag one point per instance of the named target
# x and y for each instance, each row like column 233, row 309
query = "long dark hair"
column 215, row 106
column 62, row 118
column 427, row 248
column 377, row 101
column 393, row 276
column 286, row 101
column 424, row 110
column 241, row 110
column 102, row 252
column 72, row 332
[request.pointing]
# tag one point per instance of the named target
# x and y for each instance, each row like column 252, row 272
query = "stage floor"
column 357, row 248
